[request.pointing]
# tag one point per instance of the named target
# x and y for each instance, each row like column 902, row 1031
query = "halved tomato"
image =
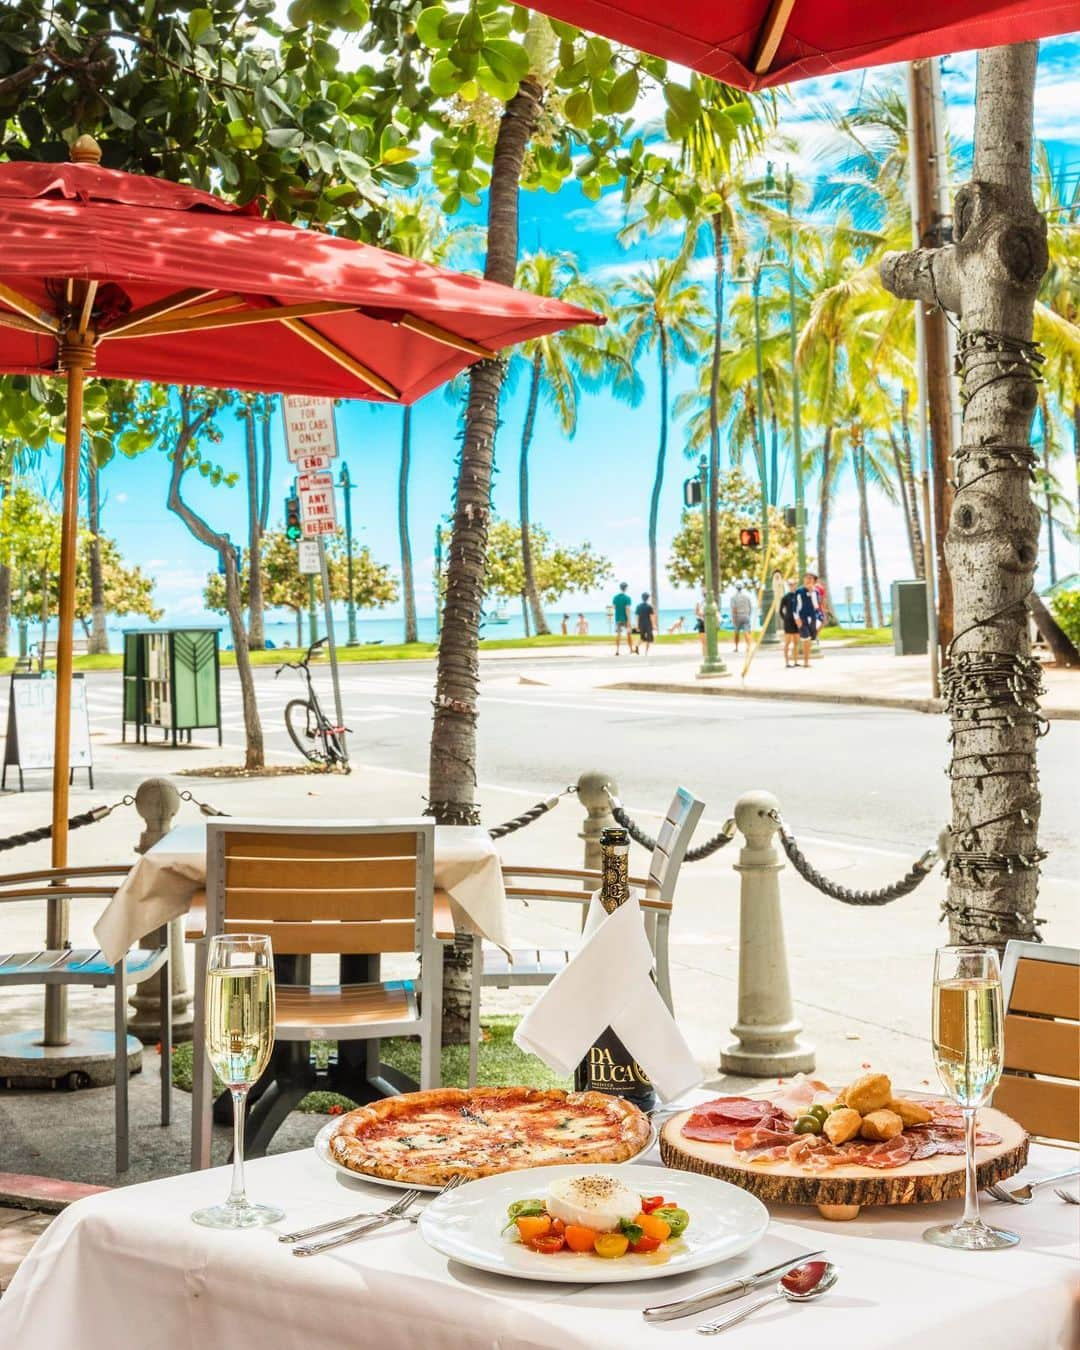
column 533, row 1226
column 653, row 1227
column 645, row 1244
column 611, row 1244
column 651, row 1202
column 549, row 1243
column 579, row 1238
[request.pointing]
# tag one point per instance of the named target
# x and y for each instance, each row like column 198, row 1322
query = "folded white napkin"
column 607, row 984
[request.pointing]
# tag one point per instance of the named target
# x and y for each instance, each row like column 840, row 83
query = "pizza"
column 425, row 1138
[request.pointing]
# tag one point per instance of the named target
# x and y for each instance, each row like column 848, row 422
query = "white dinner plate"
column 466, row 1225
column 322, row 1151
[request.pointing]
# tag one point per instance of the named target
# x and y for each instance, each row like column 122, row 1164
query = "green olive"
column 820, row 1111
column 807, row 1125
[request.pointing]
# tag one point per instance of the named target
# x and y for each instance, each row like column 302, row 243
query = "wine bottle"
column 609, row 1066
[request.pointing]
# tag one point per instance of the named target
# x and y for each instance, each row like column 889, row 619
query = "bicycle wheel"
column 303, row 730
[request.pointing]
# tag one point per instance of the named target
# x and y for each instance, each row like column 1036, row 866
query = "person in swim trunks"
column 646, row 618
column 806, row 615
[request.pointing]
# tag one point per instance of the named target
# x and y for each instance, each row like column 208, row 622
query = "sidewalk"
column 871, row 676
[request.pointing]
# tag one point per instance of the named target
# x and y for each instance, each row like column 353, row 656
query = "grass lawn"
column 501, row 1062
column 858, row 637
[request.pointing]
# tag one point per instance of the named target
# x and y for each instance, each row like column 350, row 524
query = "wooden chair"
column 351, row 888
column 64, row 965
column 1040, row 1086
column 655, row 893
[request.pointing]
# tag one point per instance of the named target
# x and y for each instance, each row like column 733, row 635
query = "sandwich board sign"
column 318, row 506
column 31, row 726
column 310, row 435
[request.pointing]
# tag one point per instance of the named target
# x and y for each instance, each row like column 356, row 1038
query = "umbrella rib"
column 342, row 358
column 22, row 304
column 138, row 317
column 184, row 323
column 87, row 307
column 437, row 334
column 771, row 34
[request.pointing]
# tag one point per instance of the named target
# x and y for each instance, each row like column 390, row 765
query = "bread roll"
column 841, row 1125
column 881, row 1125
column 871, row 1092
column 911, row 1113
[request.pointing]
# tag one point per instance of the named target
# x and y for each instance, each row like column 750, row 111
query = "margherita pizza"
column 425, row 1138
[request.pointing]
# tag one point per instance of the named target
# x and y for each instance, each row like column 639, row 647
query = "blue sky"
column 597, row 486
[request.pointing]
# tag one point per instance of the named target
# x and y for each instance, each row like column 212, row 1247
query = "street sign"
column 318, row 508
column 309, row 430
column 312, row 463
column 307, row 558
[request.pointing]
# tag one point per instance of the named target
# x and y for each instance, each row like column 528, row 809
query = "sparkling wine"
column 968, row 1038
column 239, row 1022
column 609, row 1066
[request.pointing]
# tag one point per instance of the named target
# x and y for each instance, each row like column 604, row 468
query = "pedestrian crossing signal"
column 293, row 530
column 750, row 538
column 692, row 492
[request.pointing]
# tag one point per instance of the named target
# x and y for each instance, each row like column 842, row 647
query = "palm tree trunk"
column 99, row 636
column 256, row 632
column 907, row 473
column 267, row 466
column 658, row 480
column 990, row 276
column 713, row 508
column 774, row 454
column 5, row 578
column 875, row 582
column 864, row 570
column 452, row 769
column 1076, row 450
column 824, row 511
column 408, row 585
column 905, row 500
column 539, row 617
column 525, row 613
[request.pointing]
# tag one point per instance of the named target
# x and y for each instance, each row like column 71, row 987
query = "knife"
column 349, row 1235
column 723, row 1293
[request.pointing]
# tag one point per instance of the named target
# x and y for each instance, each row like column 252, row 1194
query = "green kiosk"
column 172, row 680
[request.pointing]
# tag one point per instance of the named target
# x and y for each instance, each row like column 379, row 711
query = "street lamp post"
column 711, row 664
column 796, row 411
column 769, row 636
column 346, row 485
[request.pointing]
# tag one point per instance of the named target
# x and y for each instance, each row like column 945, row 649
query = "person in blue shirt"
column 806, row 615
column 621, row 604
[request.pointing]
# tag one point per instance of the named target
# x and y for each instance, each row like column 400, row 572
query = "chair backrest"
column 350, row 887
column 672, row 841
column 1041, row 989
column 64, row 883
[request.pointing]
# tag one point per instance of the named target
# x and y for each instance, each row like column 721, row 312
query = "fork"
column 400, row 1204
column 371, row 1224
column 1067, row 1196
column 1023, row 1195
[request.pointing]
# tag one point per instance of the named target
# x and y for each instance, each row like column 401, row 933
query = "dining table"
column 170, row 877
column 128, row 1268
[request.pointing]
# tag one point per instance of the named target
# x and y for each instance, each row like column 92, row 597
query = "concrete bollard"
column 592, row 791
column 767, row 1040
column 158, row 801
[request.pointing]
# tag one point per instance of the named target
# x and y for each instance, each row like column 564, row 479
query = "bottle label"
column 606, row 1074
column 615, row 878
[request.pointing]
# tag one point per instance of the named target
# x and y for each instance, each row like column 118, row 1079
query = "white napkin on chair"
column 607, row 984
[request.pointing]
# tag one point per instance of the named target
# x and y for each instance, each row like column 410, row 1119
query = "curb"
column 923, row 705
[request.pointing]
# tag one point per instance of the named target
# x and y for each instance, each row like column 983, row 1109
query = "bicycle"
column 317, row 739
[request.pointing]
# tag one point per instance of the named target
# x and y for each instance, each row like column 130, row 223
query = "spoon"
column 801, row 1285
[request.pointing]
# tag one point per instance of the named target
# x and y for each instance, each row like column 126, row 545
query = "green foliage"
column 559, row 569
column 740, row 507
column 1065, row 607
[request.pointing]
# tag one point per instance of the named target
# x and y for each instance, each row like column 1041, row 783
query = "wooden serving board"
column 839, row 1192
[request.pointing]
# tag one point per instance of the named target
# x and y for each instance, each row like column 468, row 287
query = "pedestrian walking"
column 806, row 613
column 646, row 618
column 565, row 625
column 621, row 604
column 741, row 610
column 790, row 625
column 699, row 624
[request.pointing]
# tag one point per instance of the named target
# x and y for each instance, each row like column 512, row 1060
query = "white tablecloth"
column 128, row 1269
column 161, row 884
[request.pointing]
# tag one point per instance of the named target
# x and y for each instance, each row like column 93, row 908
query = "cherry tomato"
column 645, row 1244
column 651, row 1202
column 579, row 1238
column 653, row 1227
column 548, row 1243
column 533, row 1226
column 611, row 1244
column 558, row 1227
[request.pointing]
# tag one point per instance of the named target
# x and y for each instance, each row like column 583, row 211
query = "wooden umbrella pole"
column 76, row 355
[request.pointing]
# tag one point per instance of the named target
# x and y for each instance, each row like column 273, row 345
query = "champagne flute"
column 968, row 1052
column 239, row 1039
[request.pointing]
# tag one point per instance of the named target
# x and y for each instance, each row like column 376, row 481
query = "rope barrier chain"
column 920, row 870
column 533, row 813
column 90, row 817
column 724, row 836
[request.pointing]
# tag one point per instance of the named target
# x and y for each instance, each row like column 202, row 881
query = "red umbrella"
column 127, row 277
column 756, row 43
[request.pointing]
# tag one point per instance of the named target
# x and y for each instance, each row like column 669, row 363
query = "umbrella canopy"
column 185, row 288
column 753, row 44
column 125, row 277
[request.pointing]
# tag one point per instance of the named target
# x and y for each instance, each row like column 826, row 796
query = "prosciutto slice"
column 721, row 1120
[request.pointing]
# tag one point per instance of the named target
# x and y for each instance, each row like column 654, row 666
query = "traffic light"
column 691, row 491
column 293, row 529
column 750, row 538
column 791, row 516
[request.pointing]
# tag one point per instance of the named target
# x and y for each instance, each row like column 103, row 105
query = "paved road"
column 867, row 776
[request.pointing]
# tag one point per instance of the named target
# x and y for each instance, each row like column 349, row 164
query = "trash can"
column 911, row 635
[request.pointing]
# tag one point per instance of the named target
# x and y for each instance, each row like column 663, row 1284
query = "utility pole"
column 796, row 411
column 768, row 618
column 712, row 664
column 346, row 485
column 312, row 611
column 932, row 227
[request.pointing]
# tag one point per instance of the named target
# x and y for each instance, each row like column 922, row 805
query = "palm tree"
column 418, row 230
column 560, row 366
column 663, row 312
